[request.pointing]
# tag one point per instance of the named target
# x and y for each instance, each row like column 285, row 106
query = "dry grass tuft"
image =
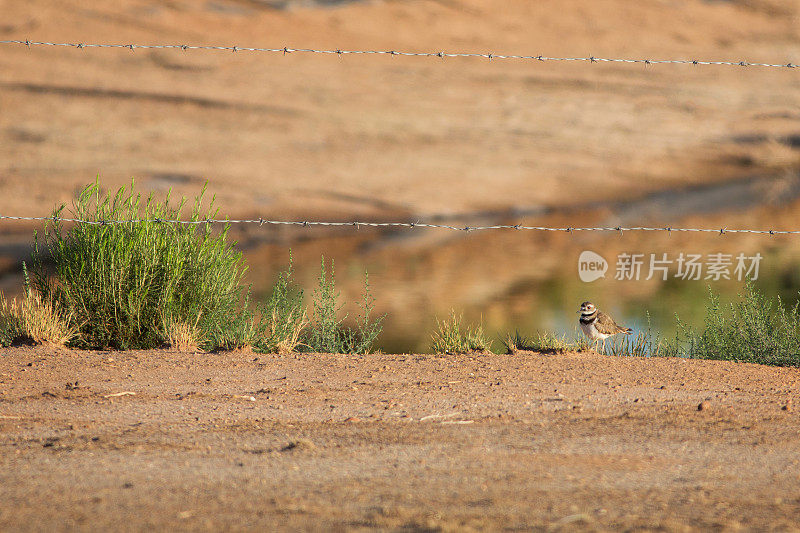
column 516, row 342
column 544, row 343
column 183, row 336
column 286, row 337
column 34, row 320
column 452, row 337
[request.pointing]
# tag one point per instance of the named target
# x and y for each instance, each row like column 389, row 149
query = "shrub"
column 282, row 318
column 753, row 330
column 129, row 284
column 327, row 334
column 451, row 337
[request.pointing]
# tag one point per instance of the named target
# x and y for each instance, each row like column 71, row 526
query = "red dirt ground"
column 243, row 441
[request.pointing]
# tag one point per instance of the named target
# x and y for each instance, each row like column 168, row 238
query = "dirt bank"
column 137, row 440
column 380, row 137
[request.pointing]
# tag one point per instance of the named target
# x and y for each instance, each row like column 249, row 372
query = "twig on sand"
column 118, row 394
column 428, row 417
column 244, row 397
column 10, row 417
column 458, row 422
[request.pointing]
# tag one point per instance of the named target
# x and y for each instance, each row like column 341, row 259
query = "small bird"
column 597, row 325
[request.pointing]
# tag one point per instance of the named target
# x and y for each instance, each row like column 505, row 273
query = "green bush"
column 326, row 333
column 753, row 330
column 125, row 284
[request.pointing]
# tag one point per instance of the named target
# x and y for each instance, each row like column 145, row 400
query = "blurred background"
column 462, row 141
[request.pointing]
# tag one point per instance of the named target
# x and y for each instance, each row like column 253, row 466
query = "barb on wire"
column 409, row 225
column 491, row 56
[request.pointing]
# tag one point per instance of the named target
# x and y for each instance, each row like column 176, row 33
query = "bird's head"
column 587, row 308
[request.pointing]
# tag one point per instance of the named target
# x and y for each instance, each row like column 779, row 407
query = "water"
column 519, row 289
column 522, row 280
column 528, row 281
column 509, row 282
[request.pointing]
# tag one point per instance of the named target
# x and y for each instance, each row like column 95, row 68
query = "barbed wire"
column 286, row 50
column 408, row 225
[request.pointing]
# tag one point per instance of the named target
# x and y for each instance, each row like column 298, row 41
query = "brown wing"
column 606, row 325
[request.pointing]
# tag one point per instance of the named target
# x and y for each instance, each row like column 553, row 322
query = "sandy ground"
column 131, row 441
